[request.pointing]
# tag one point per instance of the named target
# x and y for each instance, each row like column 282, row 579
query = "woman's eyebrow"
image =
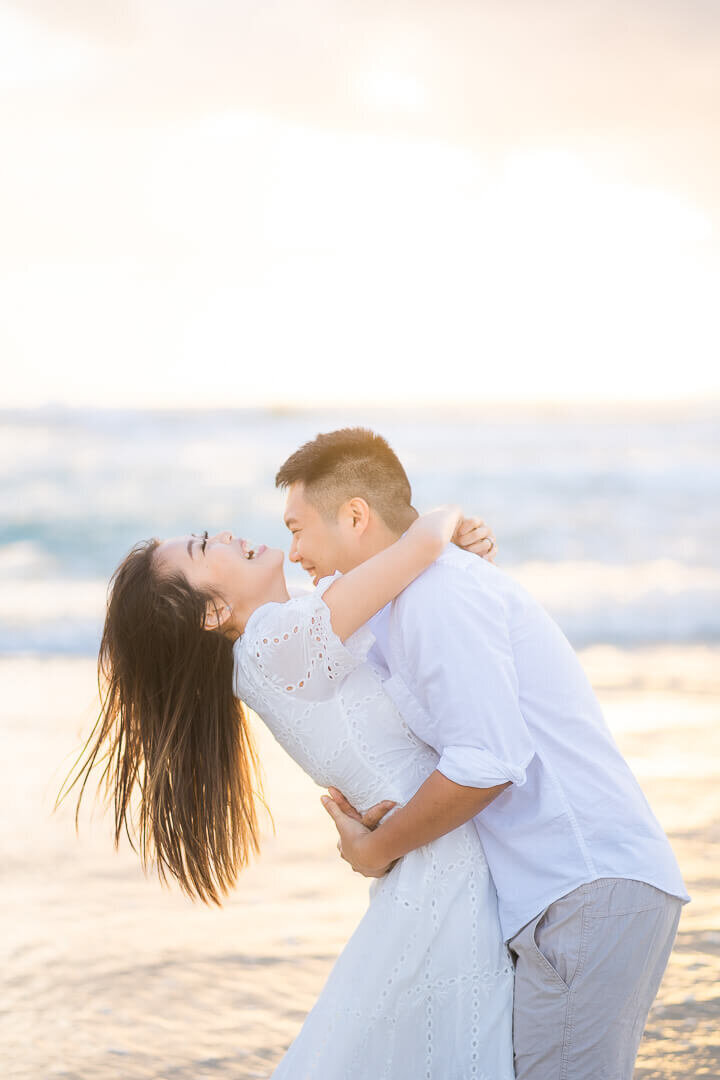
column 190, row 543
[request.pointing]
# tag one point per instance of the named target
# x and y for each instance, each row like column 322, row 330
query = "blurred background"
column 489, row 231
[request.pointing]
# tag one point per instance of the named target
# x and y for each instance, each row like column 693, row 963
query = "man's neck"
column 380, row 536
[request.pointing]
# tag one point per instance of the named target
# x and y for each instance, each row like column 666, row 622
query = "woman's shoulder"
column 292, row 646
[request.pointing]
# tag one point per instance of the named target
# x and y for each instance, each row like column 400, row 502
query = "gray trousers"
column 587, row 970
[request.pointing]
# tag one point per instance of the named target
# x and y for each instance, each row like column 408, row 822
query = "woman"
column 195, row 626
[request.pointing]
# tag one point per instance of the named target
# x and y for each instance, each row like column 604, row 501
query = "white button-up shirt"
column 481, row 672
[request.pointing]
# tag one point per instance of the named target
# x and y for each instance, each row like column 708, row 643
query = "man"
column 589, row 892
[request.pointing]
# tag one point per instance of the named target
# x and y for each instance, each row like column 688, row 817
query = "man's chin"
column 316, row 575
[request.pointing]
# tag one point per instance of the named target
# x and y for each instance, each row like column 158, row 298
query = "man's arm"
column 456, row 656
column 437, row 808
column 457, row 659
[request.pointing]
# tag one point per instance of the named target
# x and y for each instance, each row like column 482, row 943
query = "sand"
column 108, row 975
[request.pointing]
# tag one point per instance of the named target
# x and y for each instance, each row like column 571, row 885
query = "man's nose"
column 294, row 555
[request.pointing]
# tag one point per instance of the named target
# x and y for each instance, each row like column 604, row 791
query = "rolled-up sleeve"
column 456, row 655
column 473, row 767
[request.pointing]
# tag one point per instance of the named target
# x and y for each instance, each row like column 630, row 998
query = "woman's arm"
column 363, row 591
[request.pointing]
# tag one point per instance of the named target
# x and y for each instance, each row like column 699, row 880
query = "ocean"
column 611, row 516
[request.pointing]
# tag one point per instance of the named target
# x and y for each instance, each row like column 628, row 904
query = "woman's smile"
column 251, row 551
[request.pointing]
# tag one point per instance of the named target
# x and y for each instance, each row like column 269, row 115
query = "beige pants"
column 587, row 971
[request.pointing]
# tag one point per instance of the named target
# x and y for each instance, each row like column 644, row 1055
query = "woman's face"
column 226, row 565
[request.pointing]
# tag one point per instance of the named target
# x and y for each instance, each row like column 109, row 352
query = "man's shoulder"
column 454, row 573
column 456, row 559
column 462, row 593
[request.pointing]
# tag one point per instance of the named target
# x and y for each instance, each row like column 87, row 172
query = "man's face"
column 319, row 544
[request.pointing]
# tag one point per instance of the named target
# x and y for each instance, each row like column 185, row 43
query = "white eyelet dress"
column 423, row 989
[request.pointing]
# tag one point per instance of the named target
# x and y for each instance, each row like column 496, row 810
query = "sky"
column 293, row 203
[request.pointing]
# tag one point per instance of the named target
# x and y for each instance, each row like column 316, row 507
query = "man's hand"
column 355, row 843
column 472, row 534
column 437, row 807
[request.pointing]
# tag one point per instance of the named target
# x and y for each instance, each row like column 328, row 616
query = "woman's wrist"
column 434, row 530
column 430, row 539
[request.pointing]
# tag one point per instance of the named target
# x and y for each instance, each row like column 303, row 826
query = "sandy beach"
column 490, row 234
column 108, row 975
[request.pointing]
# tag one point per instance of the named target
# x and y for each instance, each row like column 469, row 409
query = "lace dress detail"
column 423, row 989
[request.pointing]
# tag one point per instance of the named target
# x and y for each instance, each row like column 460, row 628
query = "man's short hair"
column 347, row 464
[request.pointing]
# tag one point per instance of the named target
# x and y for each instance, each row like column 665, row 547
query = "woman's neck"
column 277, row 594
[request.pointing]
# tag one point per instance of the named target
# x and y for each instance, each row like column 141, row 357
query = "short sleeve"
column 293, row 647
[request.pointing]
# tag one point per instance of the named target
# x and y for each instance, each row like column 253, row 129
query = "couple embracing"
column 525, row 898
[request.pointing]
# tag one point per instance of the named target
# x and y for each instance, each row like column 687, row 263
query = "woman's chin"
column 277, row 555
column 268, row 555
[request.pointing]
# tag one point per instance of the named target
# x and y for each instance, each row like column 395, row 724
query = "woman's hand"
column 472, row 534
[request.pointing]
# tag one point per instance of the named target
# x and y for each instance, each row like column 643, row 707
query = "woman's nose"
column 223, row 537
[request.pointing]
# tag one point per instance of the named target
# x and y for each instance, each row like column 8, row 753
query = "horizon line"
column 464, row 406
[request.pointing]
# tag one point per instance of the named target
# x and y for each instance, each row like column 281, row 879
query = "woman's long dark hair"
column 171, row 729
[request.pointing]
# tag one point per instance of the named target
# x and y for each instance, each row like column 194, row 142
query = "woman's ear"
column 217, row 615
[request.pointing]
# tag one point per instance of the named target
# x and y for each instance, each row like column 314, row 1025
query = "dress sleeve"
column 294, row 648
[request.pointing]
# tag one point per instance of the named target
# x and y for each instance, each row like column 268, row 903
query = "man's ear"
column 359, row 514
column 216, row 614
